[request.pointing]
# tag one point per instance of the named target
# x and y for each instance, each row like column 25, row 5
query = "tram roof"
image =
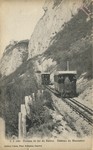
column 65, row 72
column 45, row 73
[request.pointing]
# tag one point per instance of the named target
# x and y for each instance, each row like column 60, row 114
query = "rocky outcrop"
column 14, row 55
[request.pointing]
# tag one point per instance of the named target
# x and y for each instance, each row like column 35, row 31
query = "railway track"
column 78, row 107
column 87, row 109
column 80, row 110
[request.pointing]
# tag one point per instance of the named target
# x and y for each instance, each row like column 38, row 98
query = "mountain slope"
column 57, row 14
column 74, row 43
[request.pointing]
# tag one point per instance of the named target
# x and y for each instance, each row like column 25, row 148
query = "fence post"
column 23, row 111
column 42, row 92
column 38, row 93
column 33, row 96
column 20, row 125
column 2, row 128
column 28, row 104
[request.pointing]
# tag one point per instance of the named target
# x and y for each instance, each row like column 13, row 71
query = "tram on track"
column 65, row 83
column 45, row 78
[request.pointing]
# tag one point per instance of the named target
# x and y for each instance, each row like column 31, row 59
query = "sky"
column 18, row 20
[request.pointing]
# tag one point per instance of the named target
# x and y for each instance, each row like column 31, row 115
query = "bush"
column 41, row 120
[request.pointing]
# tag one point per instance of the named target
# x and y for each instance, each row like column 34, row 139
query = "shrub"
column 41, row 120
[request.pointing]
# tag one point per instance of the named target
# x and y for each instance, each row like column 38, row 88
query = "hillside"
column 57, row 14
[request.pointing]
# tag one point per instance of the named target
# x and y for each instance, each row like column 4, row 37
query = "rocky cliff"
column 57, row 14
column 14, row 55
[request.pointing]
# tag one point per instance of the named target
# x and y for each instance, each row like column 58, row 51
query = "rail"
column 80, row 108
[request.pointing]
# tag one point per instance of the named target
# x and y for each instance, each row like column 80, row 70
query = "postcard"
column 46, row 81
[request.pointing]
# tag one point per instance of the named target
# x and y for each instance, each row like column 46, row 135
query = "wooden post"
column 2, row 128
column 33, row 96
column 20, row 125
column 28, row 104
column 38, row 93
column 42, row 91
column 30, row 100
column 23, row 111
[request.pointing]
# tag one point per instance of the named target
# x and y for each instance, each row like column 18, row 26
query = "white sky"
column 18, row 19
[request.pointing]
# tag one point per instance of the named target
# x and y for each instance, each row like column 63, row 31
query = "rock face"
column 63, row 33
column 15, row 54
column 57, row 34
column 57, row 14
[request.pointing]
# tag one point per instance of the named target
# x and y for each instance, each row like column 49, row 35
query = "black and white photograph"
column 46, row 74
